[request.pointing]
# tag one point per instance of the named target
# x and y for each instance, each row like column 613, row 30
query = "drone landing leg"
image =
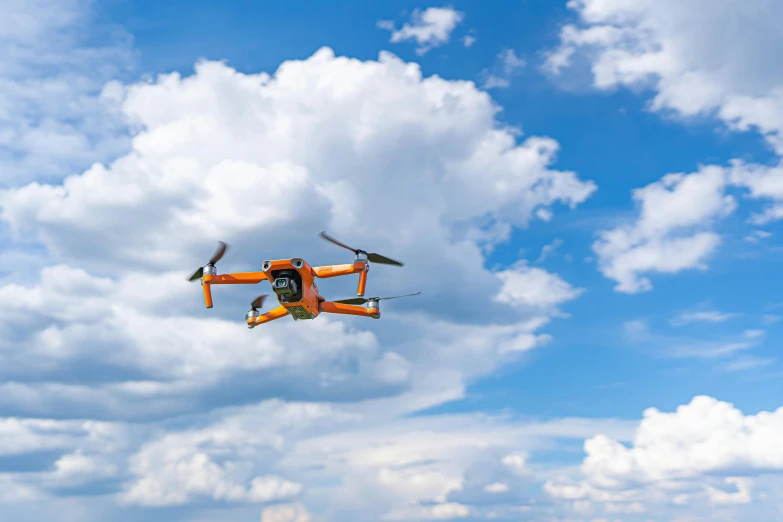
column 207, row 294
column 362, row 281
column 339, row 308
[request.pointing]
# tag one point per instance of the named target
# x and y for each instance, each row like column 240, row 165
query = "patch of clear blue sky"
column 590, row 368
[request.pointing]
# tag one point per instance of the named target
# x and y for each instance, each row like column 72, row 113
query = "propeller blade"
column 396, row 296
column 354, row 301
column 221, row 249
column 218, row 253
column 258, row 302
column 383, row 260
column 372, row 258
column 338, row 243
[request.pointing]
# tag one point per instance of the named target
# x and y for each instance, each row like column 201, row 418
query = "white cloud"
column 762, row 183
column 509, row 64
column 548, row 249
column 757, row 235
column 27, row 435
column 186, row 182
column 55, row 115
column 678, row 456
column 700, row 58
column 468, row 40
column 224, row 155
column 741, row 496
column 748, row 363
column 706, row 316
column 517, row 463
column 534, row 287
column 177, row 179
column 496, row 487
column 704, row 347
column 672, row 233
column 429, row 28
column 285, row 513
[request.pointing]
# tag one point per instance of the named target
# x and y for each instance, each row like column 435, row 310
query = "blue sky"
column 614, row 288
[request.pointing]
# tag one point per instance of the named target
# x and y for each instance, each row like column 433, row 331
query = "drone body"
column 293, row 281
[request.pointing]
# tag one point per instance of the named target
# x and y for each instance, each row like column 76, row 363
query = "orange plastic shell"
column 207, row 294
column 337, row 270
column 271, row 315
column 346, row 309
column 362, row 280
column 311, row 304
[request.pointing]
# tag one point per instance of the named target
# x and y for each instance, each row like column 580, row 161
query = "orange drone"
column 293, row 281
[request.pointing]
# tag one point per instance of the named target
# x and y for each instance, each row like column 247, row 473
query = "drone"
column 293, row 281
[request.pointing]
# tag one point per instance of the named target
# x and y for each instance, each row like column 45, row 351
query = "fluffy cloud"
column 534, row 287
column 677, row 217
column 695, row 55
column 429, row 28
column 192, row 160
column 416, row 168
column 673, row 230
column 55, row 115
column 700, row 58
column 696, row 453
column 363, row 457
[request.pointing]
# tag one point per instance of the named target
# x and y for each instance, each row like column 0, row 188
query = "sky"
column 587, row 193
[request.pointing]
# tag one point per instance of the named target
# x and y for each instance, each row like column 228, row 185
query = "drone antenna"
column 362, row 300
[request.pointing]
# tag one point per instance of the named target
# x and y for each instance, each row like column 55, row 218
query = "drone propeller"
column 198, row 274
column 362, row 300
column 372, row 258
column 258, row 302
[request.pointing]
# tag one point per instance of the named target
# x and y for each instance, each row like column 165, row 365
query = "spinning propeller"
column 258, row 302
column 198, row 274
column 372, row 258
column 362, row 300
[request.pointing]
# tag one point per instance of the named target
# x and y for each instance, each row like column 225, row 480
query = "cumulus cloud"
column 429, row 28
column 192, row 160
column 672, row 233
column 380, row 156
column 677, row 217
column 693, row 453
column 695, row 55
column 699, row 58
column 528, row 286
column 56, row 112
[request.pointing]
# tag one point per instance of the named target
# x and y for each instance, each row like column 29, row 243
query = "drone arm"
column 345, row 309
column 243, row 278
column 338, row 270
column 271, row 315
